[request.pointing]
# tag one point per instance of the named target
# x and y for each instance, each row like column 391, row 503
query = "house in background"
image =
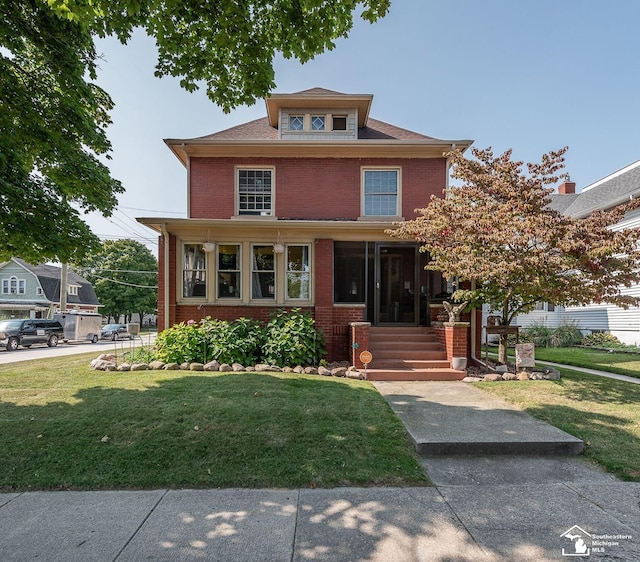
column 607, row 193
column 33, row 291
column 290, row 210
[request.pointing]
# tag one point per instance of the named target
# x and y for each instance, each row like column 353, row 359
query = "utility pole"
column 63, row 287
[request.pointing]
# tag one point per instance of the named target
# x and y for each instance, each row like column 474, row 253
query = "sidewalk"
column 482, row 508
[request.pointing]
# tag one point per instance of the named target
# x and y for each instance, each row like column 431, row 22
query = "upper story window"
column 318, row 122
column 339, row 122
column 194, row 271
column 255, row 191
column 229, row 274
column 14, row 286
column 73, row 290
column 381, row 190
column 296, row 122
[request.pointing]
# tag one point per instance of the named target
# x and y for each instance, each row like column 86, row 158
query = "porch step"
column 439, row 374
column 409, row 354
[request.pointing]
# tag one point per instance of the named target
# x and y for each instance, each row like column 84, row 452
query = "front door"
column 396, row 279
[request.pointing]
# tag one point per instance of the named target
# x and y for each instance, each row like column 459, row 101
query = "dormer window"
column 296, row 123
column 318, row 122
column 339, row 122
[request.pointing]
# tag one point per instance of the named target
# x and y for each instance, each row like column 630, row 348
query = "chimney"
column 567, row 187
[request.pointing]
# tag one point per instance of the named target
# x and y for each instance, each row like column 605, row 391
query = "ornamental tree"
column 53, row 116
column 497, row 229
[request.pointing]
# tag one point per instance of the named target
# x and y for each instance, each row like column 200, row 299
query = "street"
column 74, row 348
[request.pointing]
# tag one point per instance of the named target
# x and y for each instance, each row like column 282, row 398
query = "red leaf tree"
column 497, row 228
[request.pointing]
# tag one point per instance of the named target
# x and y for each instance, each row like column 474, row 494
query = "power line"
column 127, row 284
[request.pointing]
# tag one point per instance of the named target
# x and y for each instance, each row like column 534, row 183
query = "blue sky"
column 533, row 76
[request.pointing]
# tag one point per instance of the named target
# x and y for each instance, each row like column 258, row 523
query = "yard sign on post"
column 366, row 358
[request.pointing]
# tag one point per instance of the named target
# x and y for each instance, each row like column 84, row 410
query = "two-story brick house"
column 290, row 211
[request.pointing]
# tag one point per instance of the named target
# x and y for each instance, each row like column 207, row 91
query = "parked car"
column 115, row 332
column 29, row 331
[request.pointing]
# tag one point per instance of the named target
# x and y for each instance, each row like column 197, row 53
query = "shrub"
column 539, row 334
column 239, row 341
column 566, row 335
column 291, row 338
column 184, row 342
column 601, row 339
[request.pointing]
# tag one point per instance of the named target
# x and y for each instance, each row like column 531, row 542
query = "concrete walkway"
column 482, row 508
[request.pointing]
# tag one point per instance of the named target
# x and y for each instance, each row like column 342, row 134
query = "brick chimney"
column 567, row 187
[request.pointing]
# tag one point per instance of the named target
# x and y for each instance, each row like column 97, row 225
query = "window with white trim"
column 263, row 272
column 381, row 188
column 318, row 122
column 14, row 286
column 298, row 273
column 73, row 290
column 194, row 271
column 255, row 191
column 229, row 274
column 296, row 122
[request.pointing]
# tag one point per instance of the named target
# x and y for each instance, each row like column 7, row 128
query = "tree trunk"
column 502, row 349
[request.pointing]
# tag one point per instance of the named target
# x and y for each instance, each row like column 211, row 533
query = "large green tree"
column 498, row 228
column 53, row 117
column 124, row 274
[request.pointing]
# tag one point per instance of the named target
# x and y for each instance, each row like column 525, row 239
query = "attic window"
column 296, row 122
column 339, row 122
column 73, row 290
column 317, row 122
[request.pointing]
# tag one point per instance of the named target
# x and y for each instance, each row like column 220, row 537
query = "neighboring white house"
column 33, row 291
column 613, row 190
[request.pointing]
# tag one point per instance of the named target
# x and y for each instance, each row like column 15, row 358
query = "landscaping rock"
column 110, row 357
column 274, row 369
column 493, row 377
column 156, row 365
column 111, row 367
column 249, row 368
column 124, row 367
column 551, row 374
column 171, row 367
column 139, row 367
column 212, row 366
column 311, row 370
column 501, row 368
column 101, row 364
column 196, row 367
column 523, row 376
column 299, row 369
column 338, row 372
column 472, row 379
column 354, row 375
column 225, row 368
column 238, row 368
column 287, row 369
column 262, row 367
column 324, row 371
column 184, row 366
column 509, row 377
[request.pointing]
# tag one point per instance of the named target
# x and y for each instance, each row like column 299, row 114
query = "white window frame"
column 14, row 286
column 73, row 290
column 304, row 273
column 363, row 194
column 238, row 271
column 297, row 116
column 315, row 116
column 247, row 212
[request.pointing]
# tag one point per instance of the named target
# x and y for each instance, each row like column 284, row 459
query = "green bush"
column 539, row 334
column 184, row 342
column 291, row 338
column 601, row 339
column 566, row 335
column 239, row 341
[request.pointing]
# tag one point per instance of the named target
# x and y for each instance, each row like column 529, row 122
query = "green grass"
column 604, row 413
column 614, row 362
column 65, row 426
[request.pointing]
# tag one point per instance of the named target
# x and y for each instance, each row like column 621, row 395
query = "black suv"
column 27, row 332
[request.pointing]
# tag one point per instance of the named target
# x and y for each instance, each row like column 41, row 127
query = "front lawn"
column 603, row 412
column 614, row 362
column 65, row 426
